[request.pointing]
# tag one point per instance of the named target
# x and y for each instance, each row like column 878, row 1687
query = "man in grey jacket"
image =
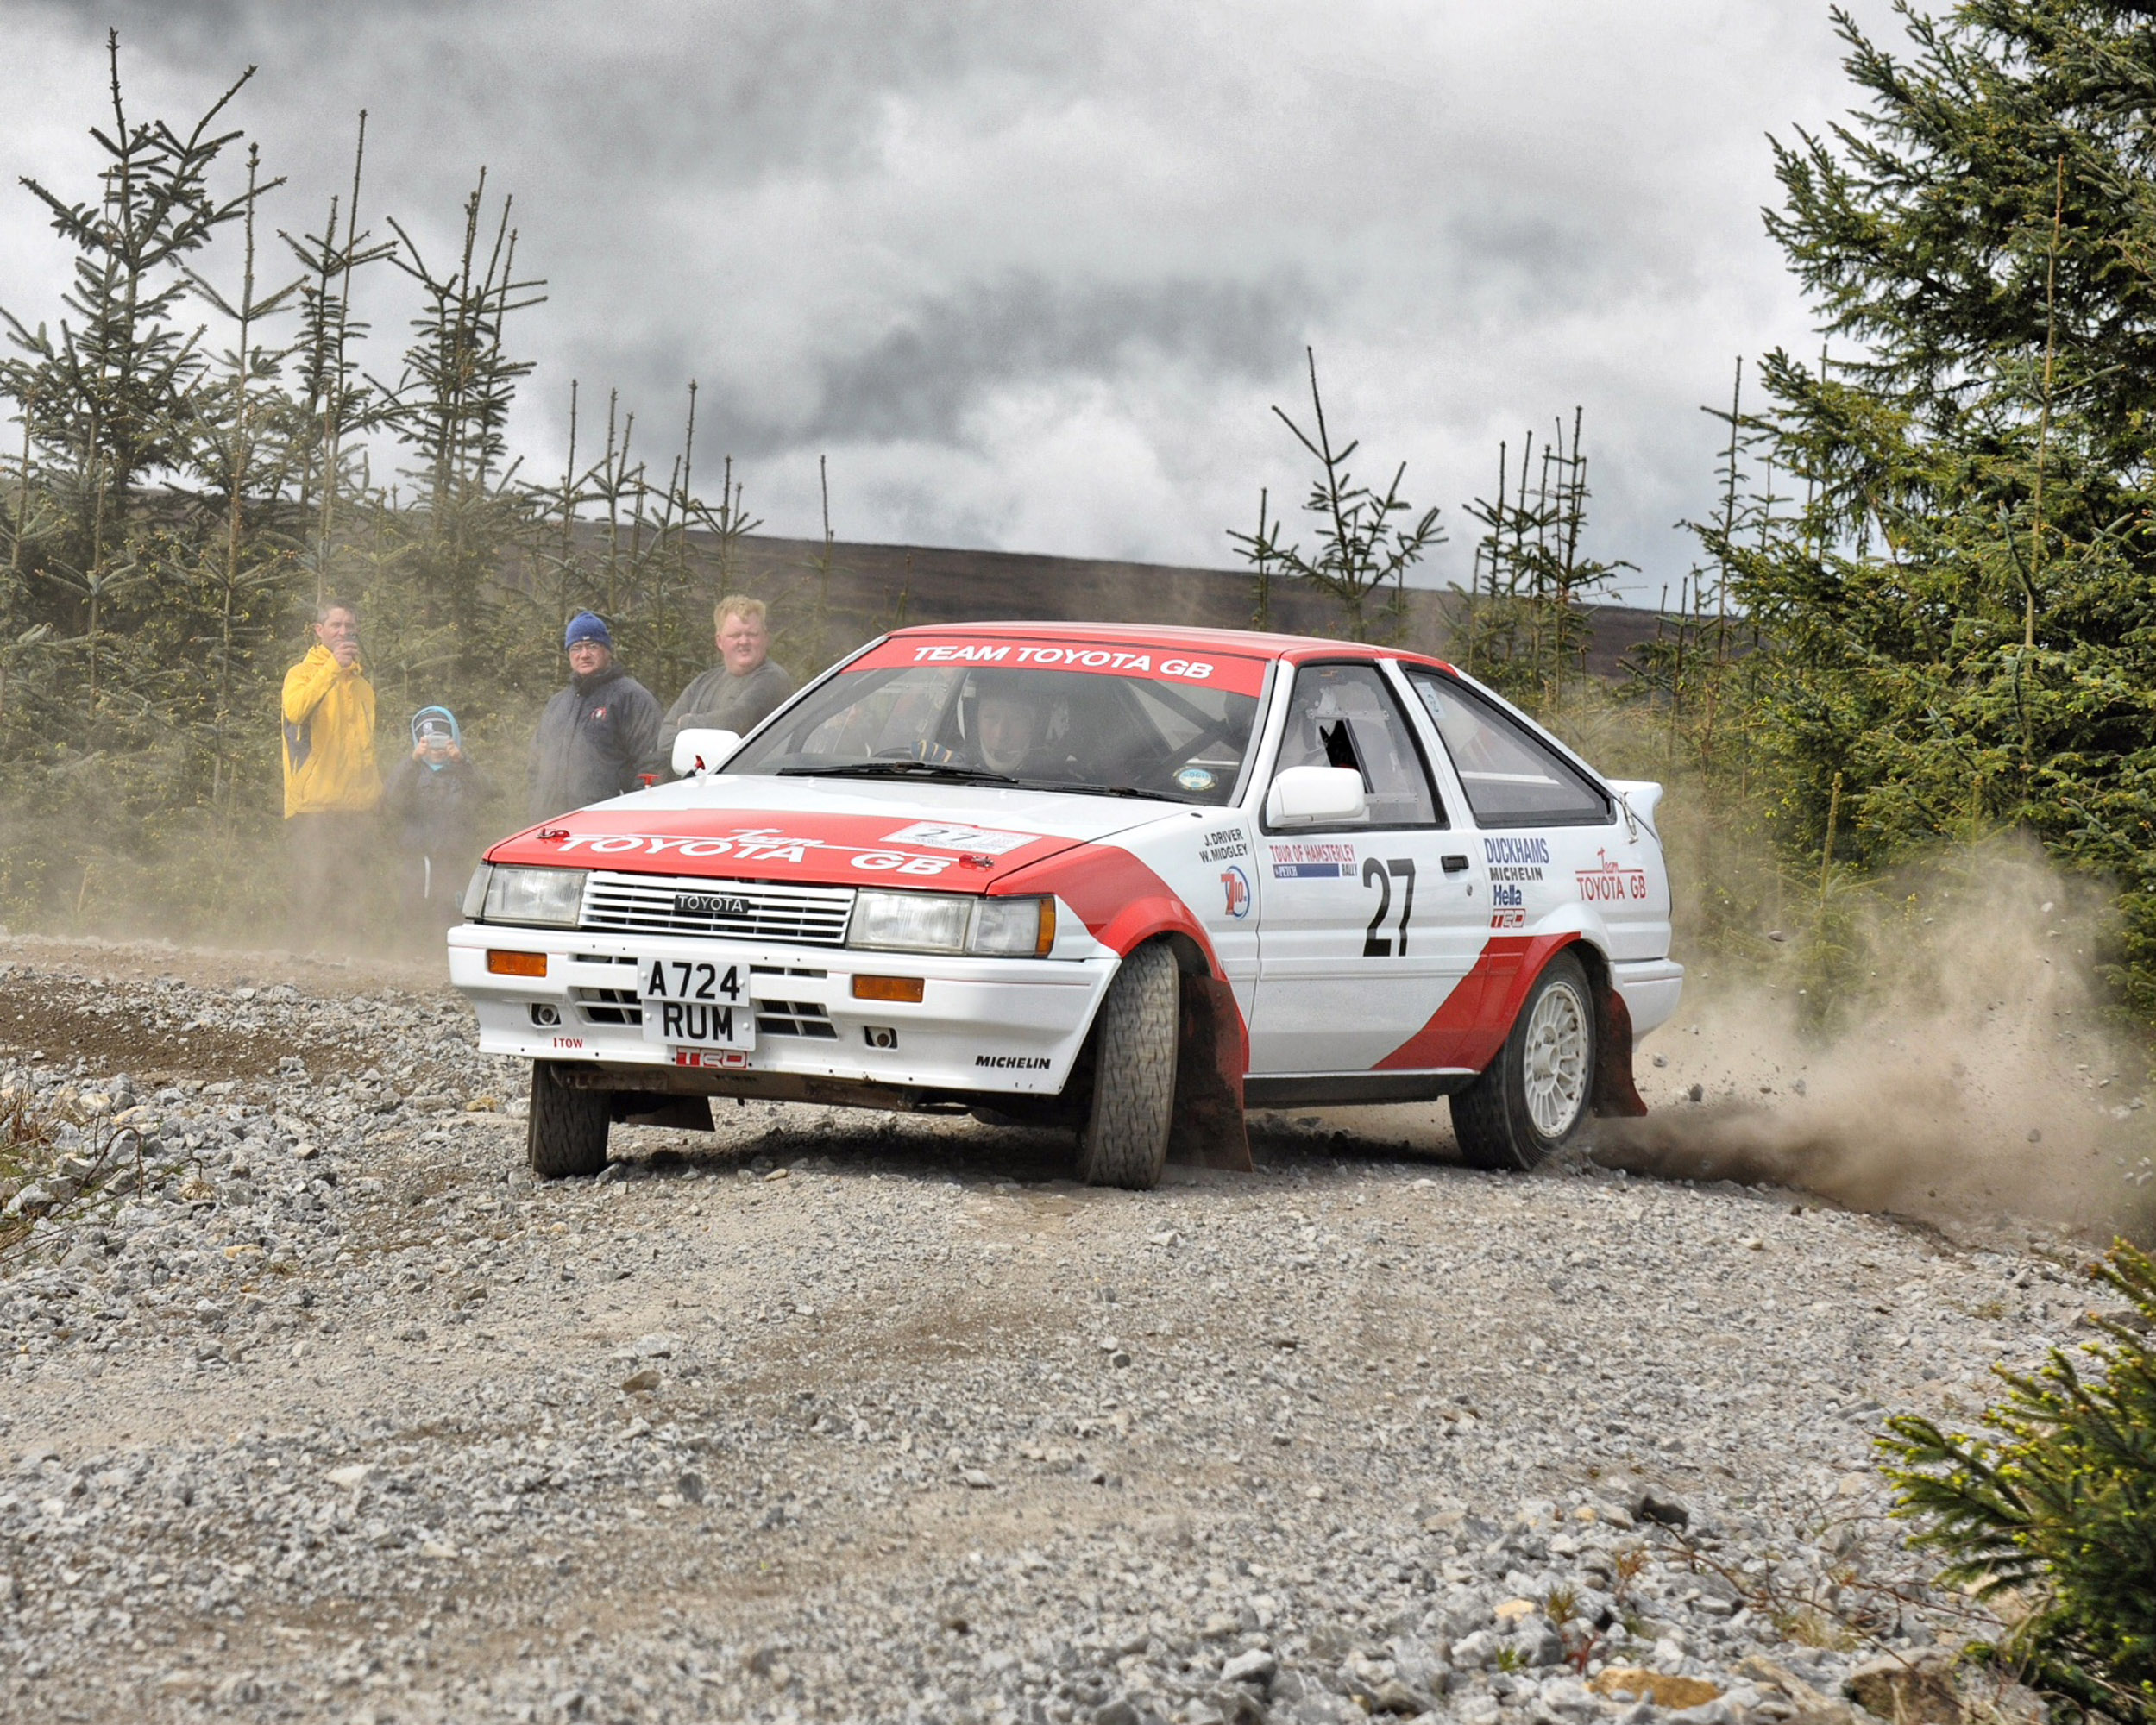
column 743, row 689
column 599, row 736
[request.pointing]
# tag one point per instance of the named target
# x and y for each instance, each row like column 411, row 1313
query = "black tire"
column 1493, row 1118
column 565, row 1135
column 1124, row 1141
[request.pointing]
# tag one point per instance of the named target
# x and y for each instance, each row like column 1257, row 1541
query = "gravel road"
column 316, row 1406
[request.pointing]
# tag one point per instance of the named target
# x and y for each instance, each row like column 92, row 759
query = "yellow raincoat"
column 328, row 737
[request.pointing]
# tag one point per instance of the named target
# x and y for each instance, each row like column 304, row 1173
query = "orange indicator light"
column 516, row 963
column 888, row 988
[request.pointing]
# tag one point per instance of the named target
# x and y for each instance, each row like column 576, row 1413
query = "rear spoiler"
column 1640, row 798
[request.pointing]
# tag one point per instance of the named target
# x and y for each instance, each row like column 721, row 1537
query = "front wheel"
column 1124, row 1141
column 566, row 1132
column 1532, row 1097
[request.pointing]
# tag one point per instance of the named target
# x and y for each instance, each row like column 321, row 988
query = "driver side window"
column 1345, row 716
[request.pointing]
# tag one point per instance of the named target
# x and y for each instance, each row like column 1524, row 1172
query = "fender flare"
column 1124, row 904
column 1470, row 1028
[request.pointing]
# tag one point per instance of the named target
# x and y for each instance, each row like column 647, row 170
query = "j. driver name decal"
column 1222, row 845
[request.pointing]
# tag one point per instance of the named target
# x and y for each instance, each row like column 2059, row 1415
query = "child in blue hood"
column 436, row 800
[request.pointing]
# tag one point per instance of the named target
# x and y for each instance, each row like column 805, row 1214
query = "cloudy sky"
column 1031, row 276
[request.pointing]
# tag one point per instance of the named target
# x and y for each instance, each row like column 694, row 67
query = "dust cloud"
column 1966, row 1072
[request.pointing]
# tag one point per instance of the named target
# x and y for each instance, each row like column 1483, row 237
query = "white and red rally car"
column 1127, row 881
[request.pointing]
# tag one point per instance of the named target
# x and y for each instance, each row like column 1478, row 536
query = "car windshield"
column 1088, row 731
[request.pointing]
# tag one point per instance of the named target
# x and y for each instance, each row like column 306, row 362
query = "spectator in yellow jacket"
column 332, row 784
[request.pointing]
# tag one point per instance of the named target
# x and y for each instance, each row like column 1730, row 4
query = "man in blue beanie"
column 598, row 737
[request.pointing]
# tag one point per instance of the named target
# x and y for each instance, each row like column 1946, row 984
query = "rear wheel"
column 1532, row 1097
column 1124, row 1141
column 566, row 1132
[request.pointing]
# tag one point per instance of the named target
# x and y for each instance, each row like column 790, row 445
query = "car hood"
column 827, row 832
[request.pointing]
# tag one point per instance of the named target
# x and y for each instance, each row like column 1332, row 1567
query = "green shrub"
column 2054, row 1512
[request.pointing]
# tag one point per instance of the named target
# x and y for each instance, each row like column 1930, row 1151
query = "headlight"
column 1023, row 926
column 945, row 922
column 475, row 902
column 911, row 922
column 543, row 898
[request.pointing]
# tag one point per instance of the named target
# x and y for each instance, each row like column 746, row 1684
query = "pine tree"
column 1361, row 550
column 1961, row 620
column 2056, row 1507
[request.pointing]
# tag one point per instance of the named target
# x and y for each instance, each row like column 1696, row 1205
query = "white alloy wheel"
column 1559, row 1048
column 1534, row 1095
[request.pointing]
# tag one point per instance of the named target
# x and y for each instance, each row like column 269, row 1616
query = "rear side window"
column 1513, row 778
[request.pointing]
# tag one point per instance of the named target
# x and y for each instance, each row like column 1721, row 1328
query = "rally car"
column 1125, row 882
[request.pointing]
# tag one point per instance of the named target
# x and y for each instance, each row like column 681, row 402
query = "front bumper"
column 1011, row 1026
column 1650, row 990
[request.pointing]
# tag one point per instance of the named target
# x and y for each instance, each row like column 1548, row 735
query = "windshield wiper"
column 900, row 769
column 1106, row 791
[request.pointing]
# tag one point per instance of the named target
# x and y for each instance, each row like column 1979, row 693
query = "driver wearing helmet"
column 1010, row 727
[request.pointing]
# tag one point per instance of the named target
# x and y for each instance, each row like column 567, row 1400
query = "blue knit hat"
column 587, row 626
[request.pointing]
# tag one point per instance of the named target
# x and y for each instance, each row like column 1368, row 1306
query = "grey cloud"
column 745, row 88
column 971, row 246
column 920, row 381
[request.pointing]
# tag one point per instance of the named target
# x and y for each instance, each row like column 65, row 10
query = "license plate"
column 699, row 1002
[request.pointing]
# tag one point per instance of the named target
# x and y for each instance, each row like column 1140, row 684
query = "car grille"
column 647, row 904
column 795, row 1018
column 608, row 1005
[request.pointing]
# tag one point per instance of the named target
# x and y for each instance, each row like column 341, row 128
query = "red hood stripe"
column 812, row 848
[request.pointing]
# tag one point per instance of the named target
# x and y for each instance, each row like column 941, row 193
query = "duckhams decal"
column 1236, row 885
column 1516, row 859
column 1611, row 882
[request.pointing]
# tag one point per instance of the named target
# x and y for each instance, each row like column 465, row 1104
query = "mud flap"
column 655, row 1108
column 1615, row 1094
column 1207, row 1129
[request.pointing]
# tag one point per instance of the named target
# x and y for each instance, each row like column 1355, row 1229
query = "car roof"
column 1248, row 642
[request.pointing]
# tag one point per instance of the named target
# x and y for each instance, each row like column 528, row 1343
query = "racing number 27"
column 1375, row 942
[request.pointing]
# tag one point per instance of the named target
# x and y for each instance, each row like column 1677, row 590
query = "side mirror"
column 1316, row 796
column 698, row 752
